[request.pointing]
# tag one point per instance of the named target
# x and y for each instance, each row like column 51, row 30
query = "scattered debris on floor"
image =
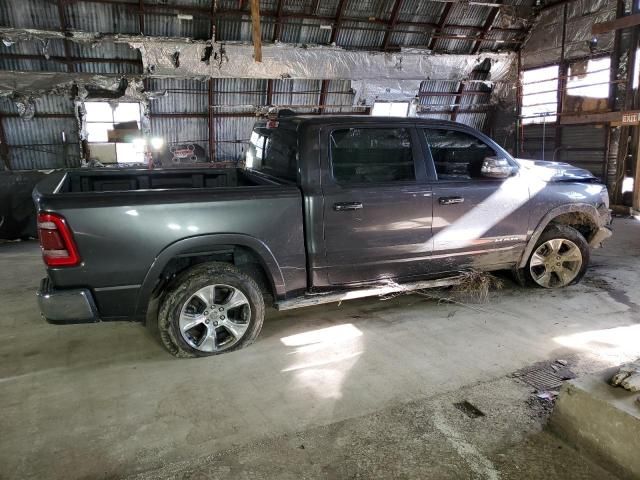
column 549, row 395
column 546, row 376
column 628, row 377
column 469, row 409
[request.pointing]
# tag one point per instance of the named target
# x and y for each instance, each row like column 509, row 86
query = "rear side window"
column 372, row 155
column 274, row 152
column 457, row 155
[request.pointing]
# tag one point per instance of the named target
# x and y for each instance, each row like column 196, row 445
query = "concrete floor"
column 365, row 386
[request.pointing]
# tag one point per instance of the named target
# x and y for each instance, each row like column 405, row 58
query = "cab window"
column 457, row 155
column 372, row 155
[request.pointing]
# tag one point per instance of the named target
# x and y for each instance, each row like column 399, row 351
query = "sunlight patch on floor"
column 322, row 358
column 612, row 345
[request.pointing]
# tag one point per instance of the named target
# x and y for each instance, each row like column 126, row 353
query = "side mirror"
column 494, row 167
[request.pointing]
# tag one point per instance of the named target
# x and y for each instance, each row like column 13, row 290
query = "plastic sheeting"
column 317, row 62
column 182, row 57
column 374, row 75
column 544, row 45
column 368, row 91
column 22, row 85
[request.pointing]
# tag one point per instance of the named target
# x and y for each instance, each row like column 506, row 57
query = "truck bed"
column 102, row 180
column 123, row 220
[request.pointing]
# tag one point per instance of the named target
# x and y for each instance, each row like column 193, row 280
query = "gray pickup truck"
column 327, row 208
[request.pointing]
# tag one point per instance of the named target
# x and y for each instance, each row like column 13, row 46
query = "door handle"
column 450, row 200
column 344, row 206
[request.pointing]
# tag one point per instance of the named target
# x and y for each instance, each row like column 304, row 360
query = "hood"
column 556, row 171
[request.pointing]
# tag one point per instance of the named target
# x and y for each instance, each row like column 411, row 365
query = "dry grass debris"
column 475, row 286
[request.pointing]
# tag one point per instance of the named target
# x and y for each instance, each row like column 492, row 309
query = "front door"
column 377, row 204
column 478, row 222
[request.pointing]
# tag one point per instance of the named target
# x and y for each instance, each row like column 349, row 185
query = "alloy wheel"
column 215, row 318
column 555, row 263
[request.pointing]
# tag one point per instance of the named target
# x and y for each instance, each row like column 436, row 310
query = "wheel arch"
column 582, row 216
column 208, row 247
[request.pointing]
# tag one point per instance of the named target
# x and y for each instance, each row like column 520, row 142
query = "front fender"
column 583, row 208
column 201, row 245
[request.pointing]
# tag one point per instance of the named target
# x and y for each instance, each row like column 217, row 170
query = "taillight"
column 56, row 241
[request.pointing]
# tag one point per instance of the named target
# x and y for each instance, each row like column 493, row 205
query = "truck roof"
column 366, row 119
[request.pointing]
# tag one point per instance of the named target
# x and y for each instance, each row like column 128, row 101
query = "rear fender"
column 201, row 245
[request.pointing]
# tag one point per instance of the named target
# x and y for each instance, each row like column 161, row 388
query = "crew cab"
column 326, row 208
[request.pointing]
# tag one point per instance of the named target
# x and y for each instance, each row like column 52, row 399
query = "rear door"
column 478, row 222
column 377, row 203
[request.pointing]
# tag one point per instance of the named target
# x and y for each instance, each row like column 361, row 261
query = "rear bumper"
column 66, row 306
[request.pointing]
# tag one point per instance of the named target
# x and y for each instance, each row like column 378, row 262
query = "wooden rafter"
column 338, row 20
column 441, row 24
column 277, row 31
column 617, row 24
column 488, row 24
column 64, row 28
column 255, row 30
column 141, row 17
column 395, row 13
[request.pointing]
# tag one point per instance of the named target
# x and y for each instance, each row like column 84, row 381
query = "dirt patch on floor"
column 615, row 292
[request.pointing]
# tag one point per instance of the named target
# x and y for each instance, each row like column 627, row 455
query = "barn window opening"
column 589, row 79
column 390, row 109
column 540, row 95
column 114, row 132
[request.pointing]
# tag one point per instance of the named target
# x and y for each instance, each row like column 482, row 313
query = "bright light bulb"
column 157, row 143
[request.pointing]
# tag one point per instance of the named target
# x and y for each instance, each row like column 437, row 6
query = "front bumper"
column 66, row 306
column 600, row 236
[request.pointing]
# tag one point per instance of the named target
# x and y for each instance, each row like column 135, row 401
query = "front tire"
column 210, row 309
column 559, row 259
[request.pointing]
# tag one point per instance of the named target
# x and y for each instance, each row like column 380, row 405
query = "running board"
column 309, row 300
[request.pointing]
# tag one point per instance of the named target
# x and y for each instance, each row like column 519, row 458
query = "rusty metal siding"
column 305, row 31
column 360, row 35
column 181, row 130
column 538, row 141
column 239, row 95
column 38, row 143
column 104, row 18
column 340, row 94
column 232, row 136
column 29, row 14
column 584, row 146
column 300, row 95
column 183, row 96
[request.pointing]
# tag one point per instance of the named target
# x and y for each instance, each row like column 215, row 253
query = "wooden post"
column 635, row 196
column 563, row 72
column 255, row 31
column 4, row 148
column 212, row 123
column 635, row 199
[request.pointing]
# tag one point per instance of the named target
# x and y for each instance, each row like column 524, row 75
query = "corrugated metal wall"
column 584, row 146
column 183, row 115
column 538, row 141
column 39, row 143
column 581, row 145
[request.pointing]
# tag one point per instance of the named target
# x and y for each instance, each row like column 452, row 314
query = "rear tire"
column 210, row 309
column 559, row 258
